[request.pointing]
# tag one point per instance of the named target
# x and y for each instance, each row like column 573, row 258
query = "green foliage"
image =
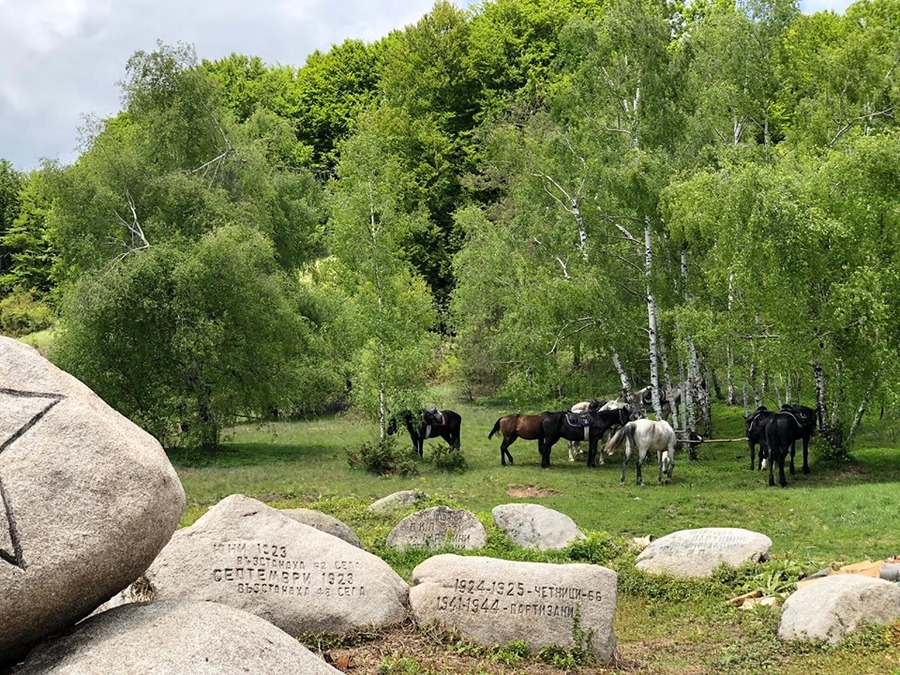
column 399, row 665
column 446, row 458
column 21, row 314
column 383, row 458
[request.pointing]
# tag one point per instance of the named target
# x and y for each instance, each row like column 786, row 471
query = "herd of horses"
column 774, row 432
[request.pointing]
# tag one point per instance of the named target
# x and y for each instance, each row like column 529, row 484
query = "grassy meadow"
column 839, row 514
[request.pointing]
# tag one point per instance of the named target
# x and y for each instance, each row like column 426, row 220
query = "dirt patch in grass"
column 530, row 491
column 406, row 649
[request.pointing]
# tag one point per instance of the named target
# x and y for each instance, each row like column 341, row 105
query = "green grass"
column 840, row 513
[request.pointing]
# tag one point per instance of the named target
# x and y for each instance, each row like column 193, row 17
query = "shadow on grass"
column 251, row 454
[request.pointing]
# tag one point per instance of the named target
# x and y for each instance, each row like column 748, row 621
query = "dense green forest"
column 538, row 199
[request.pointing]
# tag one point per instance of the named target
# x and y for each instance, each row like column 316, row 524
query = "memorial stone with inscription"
column 188, row 638
column 87, row 499
column 324, row 523
column 492, row 601
column 397, row 500
column 696, row 553
column 248, row 555
column 536, row 526
column 439, row 526
column 834, row 606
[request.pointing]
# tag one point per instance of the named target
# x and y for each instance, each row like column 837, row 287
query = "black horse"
column 755, row 430
column 806, row 422
column 589, row 426
column 777, row 433
column 431, row 423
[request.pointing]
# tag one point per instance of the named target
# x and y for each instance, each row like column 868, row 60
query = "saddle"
column 433, row 417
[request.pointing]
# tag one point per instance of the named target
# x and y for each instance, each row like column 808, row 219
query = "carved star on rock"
column 19, row 412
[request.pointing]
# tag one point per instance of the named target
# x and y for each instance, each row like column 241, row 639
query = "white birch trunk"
column 623, row 377
column 670, row 393
column 861, row 410
column 757, row 399
column 746, row 399
column 819, row 374
column 651, row 320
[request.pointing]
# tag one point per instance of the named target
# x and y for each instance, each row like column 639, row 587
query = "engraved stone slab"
column 189, row 638
column 248, row 555
column 324, row 523
column 696, row 553
column 493, row 601
column 536, row 526
column 436, row 527
column 397, row 500
column 837, row 605
column 87, row 499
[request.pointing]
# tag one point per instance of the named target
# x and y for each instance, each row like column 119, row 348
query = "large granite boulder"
column 834, row 606
column 87, row 499
column 696, row 553
column 188, row 638
column 437, row 527
column 248, row 555
column 492, row 601
column 536, row 526
column 324, row 523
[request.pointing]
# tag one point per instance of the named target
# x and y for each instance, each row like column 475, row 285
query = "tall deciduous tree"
column 178, row 242
column 389, row 302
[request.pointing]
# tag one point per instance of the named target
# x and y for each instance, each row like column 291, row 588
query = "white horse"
column 646, row 435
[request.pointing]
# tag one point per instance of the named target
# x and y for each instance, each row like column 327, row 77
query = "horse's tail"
column 496, row 428
column 613, row 443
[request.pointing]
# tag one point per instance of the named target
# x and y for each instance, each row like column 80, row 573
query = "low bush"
column 383, row 458
column 445, row 458
column 21, row 314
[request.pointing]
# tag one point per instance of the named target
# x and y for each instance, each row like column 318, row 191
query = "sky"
column 61, row 60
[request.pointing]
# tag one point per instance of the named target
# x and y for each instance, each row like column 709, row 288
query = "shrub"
column 21, row 314
column 383, row 458
column 448, row 459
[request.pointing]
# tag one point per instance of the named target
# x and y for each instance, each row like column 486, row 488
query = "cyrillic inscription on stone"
column 494, row 601
column 248, row 555
column 696, row 553
column 439, row 526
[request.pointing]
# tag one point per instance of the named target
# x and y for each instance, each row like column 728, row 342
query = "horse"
column 806, row 419
column 646, row 435
column 755, row 430
column 516, row 426
column 644, row 398
column 583, row 407
column 561, row 425
column 429, row 424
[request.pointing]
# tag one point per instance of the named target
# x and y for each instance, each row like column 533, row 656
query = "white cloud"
column 61, row 59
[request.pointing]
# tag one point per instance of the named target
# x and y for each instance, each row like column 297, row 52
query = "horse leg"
column 574, row 450
column 504, row 451
column 753, row 455
column 782, row 480
column 641, row 456
column 544, row 447
column 625, row 461
column 659, row 462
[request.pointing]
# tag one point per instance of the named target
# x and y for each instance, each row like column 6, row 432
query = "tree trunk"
column 819, row 375
column 670, row 393
column 861, row 410
column 732, row 393
column 746, row 399
column 623, row 377
column 757, row 399
column 652, row 314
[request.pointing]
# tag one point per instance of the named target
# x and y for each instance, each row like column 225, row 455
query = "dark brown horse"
column 518, row 426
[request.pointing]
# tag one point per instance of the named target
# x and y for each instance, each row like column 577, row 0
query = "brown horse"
column 518, row 426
